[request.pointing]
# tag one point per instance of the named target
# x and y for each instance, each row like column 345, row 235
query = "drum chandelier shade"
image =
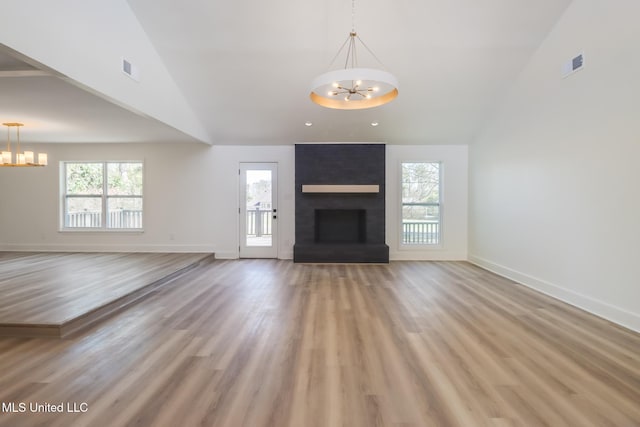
column 353, row 87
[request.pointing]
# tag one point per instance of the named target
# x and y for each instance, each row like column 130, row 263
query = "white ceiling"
column 245, row 69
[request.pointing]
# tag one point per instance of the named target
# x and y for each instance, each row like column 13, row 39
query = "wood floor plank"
column 271, row 343
column 54, row 294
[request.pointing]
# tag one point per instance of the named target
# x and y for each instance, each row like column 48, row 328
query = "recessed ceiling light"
column 307, row 124
column 374, row 124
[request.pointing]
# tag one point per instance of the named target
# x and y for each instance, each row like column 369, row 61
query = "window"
column 102, row 195
column 421, row 203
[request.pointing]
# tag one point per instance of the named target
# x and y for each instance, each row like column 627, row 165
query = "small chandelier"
column 353, row 88
column 25, row 159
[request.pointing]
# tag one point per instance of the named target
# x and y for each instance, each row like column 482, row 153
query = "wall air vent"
column 130, row 70
column 571, row 66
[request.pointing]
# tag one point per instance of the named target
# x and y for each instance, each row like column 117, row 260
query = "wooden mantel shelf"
column 340, row 188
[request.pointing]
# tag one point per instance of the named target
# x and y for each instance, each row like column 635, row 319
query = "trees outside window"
column 421, row 208
column 102, row 195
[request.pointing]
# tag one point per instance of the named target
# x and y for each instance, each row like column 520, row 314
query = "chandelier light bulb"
column 28, row 157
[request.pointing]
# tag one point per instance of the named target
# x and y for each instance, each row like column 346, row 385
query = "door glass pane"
column 259, row 211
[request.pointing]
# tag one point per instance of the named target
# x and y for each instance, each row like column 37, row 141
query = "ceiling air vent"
column 130, row 70
column 573, row 65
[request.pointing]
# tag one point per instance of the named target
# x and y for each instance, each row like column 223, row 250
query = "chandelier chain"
column 353, row 16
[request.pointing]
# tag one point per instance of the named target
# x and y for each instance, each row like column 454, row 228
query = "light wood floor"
column 43, row 290
column 272, row 343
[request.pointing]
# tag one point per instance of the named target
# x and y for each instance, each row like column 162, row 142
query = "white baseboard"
column 601, row 309
column 236, row 255
column 426, row 256
column 227, row 255
column 56, row 247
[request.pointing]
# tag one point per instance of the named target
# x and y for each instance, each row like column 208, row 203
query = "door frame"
column 245, row 251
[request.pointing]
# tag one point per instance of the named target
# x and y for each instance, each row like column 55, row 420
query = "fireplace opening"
column 340, row 226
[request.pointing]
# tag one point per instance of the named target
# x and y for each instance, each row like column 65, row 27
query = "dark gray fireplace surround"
column 340, row 226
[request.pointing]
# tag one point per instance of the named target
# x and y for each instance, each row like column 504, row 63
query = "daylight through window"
column 421, row 203
column 102, row 195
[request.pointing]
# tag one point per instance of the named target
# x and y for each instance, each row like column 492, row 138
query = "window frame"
column 104, row 198
column 421, row 246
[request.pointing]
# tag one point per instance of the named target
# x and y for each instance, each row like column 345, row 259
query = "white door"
column 258, row 210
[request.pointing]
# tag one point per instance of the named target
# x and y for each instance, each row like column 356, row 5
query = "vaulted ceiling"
column 245, row 68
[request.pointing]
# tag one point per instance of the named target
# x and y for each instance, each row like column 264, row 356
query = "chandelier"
column 25, row 159
column 353, row 88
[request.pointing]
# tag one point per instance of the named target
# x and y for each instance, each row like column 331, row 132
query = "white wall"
column 554, row 199
column 454, row 200
column 191, row 199
column 178, row 200
column 227, row 158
